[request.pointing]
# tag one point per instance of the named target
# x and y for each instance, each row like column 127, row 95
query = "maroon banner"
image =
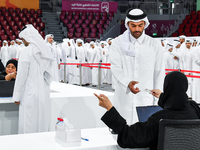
column 156, row 27
column 89, row 6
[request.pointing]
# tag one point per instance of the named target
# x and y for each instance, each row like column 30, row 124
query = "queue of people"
column 183, row 54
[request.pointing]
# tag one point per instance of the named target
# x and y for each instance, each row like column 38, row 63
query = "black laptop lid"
column 6, row 88
column 144, row 112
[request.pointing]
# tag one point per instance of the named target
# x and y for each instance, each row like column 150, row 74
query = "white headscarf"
column 66, row 40
column 135, row 15
column 47, row 36
column 4, row 41
column 18, row 40
column 40, row 50
column 188, row 41
column 182, row 37
column 108, row 39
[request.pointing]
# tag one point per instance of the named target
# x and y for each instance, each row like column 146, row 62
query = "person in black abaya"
column 1, row 66
column 174, row 102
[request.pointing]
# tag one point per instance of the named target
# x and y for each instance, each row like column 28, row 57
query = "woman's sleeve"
column 138, row 135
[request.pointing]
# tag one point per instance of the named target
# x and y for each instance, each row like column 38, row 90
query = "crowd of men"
column 181, row 54
column 70, row 51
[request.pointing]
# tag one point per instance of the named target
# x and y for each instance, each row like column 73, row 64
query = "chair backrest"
column 179, row 134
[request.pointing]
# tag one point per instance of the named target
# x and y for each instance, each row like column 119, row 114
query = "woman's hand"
column 104, row 101
column 156, row 92
column 17, row 103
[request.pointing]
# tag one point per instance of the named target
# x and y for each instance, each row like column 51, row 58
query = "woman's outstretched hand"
column 104, row 101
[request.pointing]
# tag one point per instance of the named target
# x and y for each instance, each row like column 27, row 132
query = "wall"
column 34, row 4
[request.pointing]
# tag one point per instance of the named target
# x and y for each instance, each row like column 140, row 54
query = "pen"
column 84, row 139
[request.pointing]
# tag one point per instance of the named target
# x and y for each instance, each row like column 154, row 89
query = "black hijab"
column 174, row 95
column 14, row 62
column 1, row 66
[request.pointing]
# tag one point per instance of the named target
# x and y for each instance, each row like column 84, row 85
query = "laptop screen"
column 144, row 112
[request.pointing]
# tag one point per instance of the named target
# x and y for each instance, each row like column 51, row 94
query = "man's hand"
column 17, row 103
column 156, row 92
column 170, row 50
column 175, row 57
column 132, row 88
column 59, row 66
column 104, row 101
column 178, row 46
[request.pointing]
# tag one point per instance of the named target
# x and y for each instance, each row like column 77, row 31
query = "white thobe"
column 95, row 73
column 82, row 54
column 66, row 55
column 186, row 64
column 4, row 55
column 56, row 61
column 18, row 50
column 146, row 67
column 196, row 81
column 91, row 54
column 104, row 72
column 33, row 92
column 12, row 51
column 109, row 74
column 73, row 71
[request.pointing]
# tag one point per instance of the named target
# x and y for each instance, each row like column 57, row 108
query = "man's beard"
column 134, row 34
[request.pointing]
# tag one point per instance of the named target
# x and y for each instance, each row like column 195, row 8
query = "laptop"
column 6, row 88
column 144, row 112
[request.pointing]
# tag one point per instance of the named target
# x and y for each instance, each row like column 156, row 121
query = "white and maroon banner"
column 89, row 6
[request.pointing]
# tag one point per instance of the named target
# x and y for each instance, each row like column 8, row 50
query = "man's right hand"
column 132, row 88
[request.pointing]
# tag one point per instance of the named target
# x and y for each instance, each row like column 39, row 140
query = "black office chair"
column 179, row 134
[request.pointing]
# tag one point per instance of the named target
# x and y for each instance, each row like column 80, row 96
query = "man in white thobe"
column 82, row 58
column 12, row 50
column 168, row 57
column 4, row 53
column 19, row 47
column 73, row 71
column 104, row 52
column 32, row 85
column 186, row 63
column 66, row 54
column 195, row 42
column 136, row 60
column 54, row 53
column 196, row 67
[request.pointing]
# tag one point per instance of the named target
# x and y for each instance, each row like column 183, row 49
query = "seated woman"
column 174, row 102
column 10, row 71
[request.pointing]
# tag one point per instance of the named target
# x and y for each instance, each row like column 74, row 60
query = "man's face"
column 102, row 45
column 50, row 40
column 92, row 46
column 25, row 42
column 109, row 42
column 188, row 45
column 12, row 43
column 69, row 44
column 136, row 28
column 182, row 40
column 79, row 44
column 4, row 44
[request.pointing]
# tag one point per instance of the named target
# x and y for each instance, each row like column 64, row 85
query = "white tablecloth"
column 99, row 139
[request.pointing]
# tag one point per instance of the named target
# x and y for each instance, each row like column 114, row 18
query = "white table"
column 99, row 139
column 77, row 104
